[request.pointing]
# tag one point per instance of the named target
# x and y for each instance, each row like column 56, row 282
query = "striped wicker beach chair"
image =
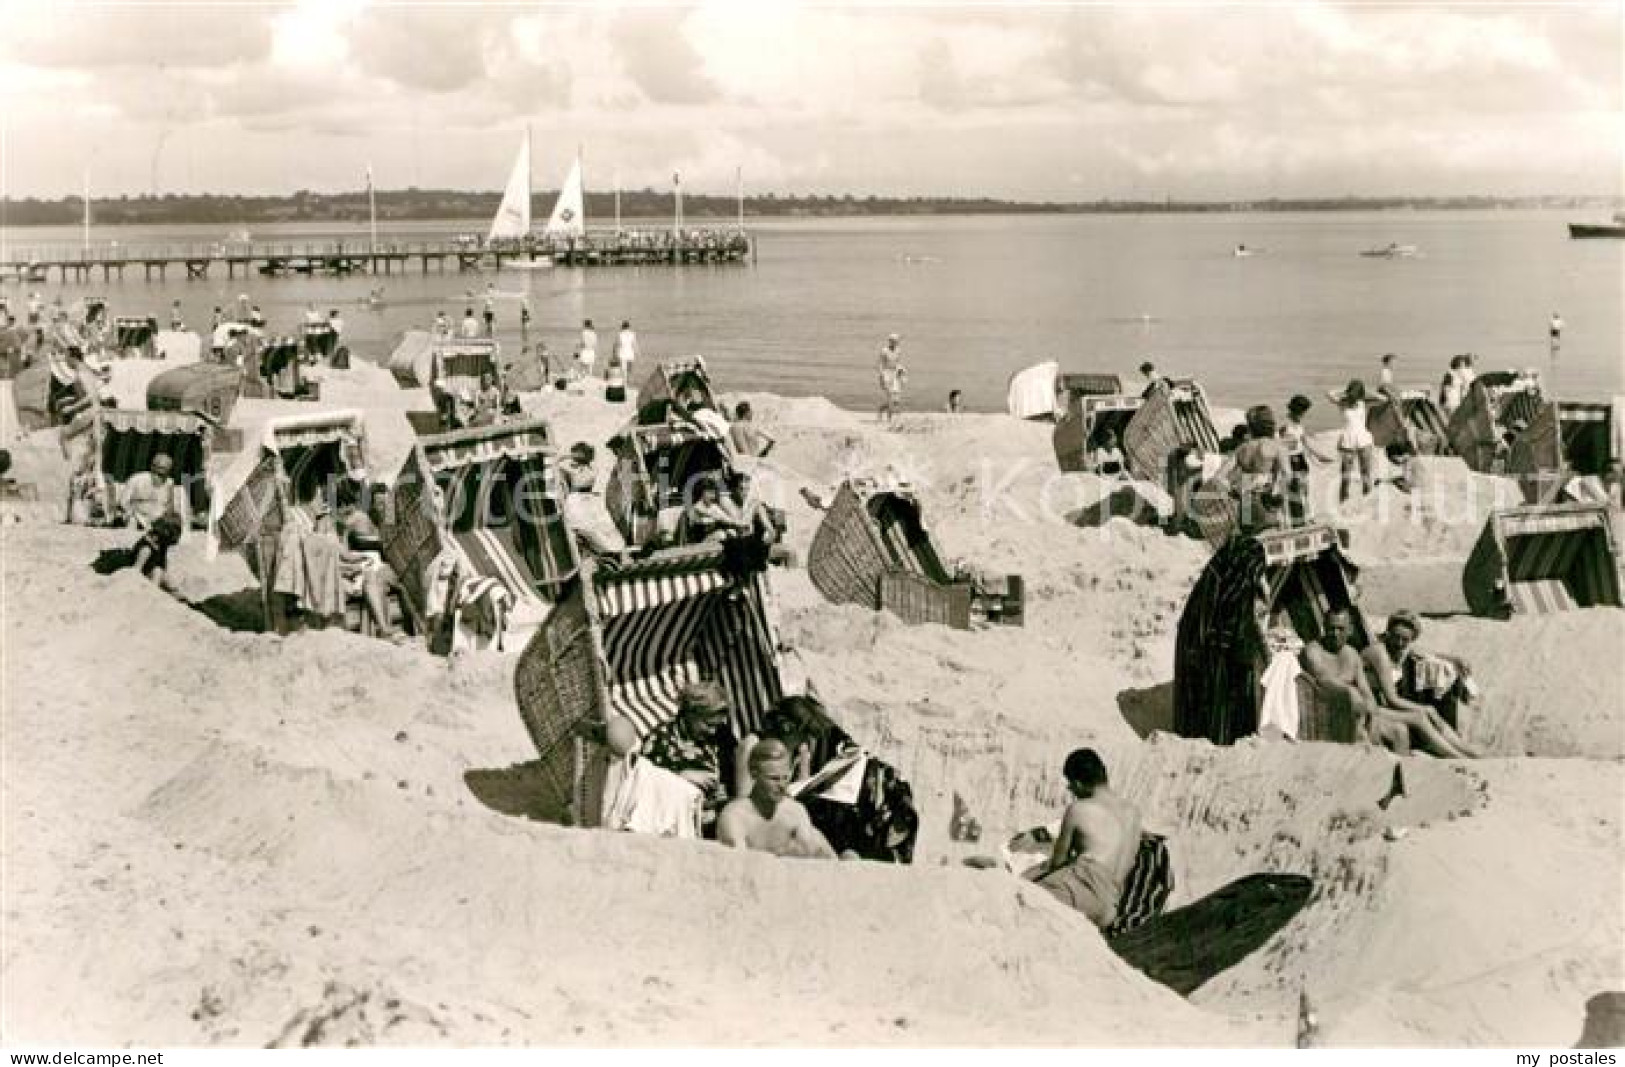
column 1413, row 419
column 1495, row 402
column 1291, row 578
column 1564, row 441
column 296, row 456
column 668, row 381
column 1174, row 415
column 494, row 500
column 624, row 641
column 1542, row 559
column 655, row 472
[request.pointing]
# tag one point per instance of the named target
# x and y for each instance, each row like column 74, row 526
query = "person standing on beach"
column 471, row 325
column 626, row 347
column 1096, row 847
column 1555, row 329
column 893, row 376
column 177, row 321
column 587, row 355
column 1355, row 446
column 524, row 314
column 490, row 314
column 1298, row 450
column 1385, row 383
column 442, row 325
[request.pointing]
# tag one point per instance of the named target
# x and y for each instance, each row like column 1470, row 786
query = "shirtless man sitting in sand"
column 768, row 820
column 1097, row 845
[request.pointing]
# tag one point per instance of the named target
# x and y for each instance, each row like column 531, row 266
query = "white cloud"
column 1212, row 100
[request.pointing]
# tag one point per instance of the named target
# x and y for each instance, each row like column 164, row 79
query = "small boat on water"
column 1579, row 230
column 1242, row 251
column 1390, row 251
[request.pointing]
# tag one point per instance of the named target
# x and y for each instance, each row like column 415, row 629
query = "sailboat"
column 569, row 218
column 512, row 221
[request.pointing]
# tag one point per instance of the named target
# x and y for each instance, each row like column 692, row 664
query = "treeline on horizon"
column 441, row 204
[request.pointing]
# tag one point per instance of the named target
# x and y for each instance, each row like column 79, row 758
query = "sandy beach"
column 214, row 836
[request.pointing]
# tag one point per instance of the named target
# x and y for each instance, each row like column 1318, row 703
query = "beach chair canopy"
column 667, row 383
column 1565, row 440
column 1080, row 385
column 624, row 641
column 1543, row 559
column 1031, row 392
column 496, row 498
column 1292, row 578
column 1175, row 415
column 208, row 389
column 296, row 455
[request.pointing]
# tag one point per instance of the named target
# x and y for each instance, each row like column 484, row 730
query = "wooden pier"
column 277, row 259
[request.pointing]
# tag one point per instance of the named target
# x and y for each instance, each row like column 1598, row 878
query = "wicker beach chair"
column 1087, row 416
column 124, row 442
column 249, row 501
column 873, row 549
column 1495, row 402
column 624, row 641
column 1564, row 440
column 1292, row 578
column 668, row 381
column 1543, row 559
column 656, row 469
column 207, row 389
column 1174, row 415
column 490, row 492
column 1412, row 419
column 136, row 337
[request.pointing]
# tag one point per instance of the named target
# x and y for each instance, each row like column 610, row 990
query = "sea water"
column 978, row 298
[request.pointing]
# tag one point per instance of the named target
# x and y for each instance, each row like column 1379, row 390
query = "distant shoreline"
column 419, row 205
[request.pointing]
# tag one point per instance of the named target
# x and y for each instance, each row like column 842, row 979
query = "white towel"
column 642, row 798
column 1280, row 706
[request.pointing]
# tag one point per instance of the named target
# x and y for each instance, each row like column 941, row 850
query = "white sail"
column 569, row 218
column 513, row 216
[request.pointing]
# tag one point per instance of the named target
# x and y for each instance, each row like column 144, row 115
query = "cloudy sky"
column 1054, row 102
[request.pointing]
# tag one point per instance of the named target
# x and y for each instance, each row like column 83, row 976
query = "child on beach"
column 1298, row 450
column 1355, row 447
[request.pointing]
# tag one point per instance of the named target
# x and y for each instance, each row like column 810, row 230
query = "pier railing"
column 350, row 254
column 627, row 240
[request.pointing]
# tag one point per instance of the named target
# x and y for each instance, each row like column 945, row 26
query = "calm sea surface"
column 978, row 298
